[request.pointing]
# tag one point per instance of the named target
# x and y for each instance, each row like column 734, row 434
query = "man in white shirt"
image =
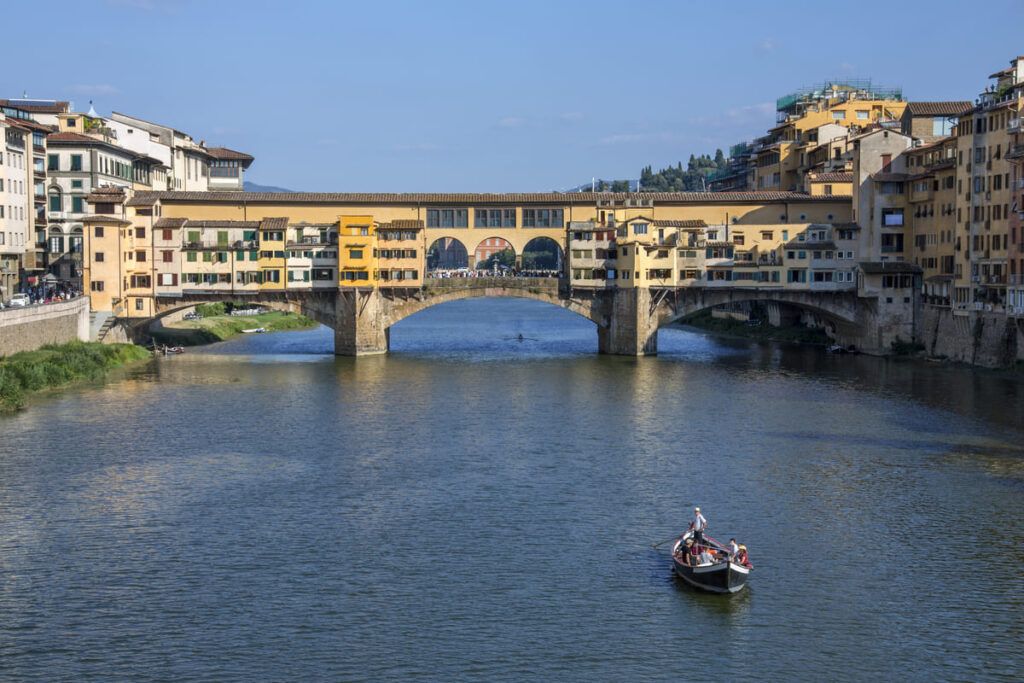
column 699, row 525
column 734, row 549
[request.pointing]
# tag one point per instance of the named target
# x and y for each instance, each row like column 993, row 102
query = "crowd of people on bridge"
column 443, row 273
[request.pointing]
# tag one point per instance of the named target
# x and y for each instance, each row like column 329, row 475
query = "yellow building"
column 273, row 261
column 811, row 121
column 357, row 265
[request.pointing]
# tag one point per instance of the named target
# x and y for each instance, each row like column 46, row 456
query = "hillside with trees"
column 693, row 178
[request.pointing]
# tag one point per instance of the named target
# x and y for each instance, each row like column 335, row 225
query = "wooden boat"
column 720, row 575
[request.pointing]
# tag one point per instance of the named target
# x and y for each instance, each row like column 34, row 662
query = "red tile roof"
column 230, row 155
column 835, row 177
column 442, row 198
column 37, row 108
column 955, row 108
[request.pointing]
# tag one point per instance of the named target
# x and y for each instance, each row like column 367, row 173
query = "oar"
column 661, row 543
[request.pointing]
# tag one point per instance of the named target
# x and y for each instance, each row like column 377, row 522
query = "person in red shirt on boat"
column 699, row 525
column 741, row 556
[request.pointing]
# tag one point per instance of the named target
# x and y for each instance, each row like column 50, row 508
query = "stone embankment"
column 990, row 340
column 30, row 327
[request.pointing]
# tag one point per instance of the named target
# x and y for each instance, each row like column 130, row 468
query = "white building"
column 15, row 203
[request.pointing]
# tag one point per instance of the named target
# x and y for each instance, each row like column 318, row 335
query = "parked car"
column 19, row 300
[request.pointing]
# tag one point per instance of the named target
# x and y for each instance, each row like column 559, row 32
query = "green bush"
column 56, row 365
column 210, row 310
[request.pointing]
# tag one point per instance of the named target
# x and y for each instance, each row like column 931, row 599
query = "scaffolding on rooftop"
column 838, row 88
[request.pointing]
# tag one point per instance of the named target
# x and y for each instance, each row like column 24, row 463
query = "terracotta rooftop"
column 275, row 223
column 223, row 153
column 441, row 198
column 939, row 108
column 37, row 108
column 835, row 177
column 402, row 224
column 164, row 223
column 250, row 225
column 689, row 223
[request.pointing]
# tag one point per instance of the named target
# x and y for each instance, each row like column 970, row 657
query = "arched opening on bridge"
column 766, row 320
column 447, row 253
column 494, row 254
column 542, row 255
column 493, row 327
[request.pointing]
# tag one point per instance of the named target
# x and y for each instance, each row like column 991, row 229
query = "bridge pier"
column 361, row 326
column 632, row 328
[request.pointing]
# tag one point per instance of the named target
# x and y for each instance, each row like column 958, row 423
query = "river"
column 475, row 506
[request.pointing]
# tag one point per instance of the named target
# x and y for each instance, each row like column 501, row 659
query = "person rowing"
column 699, row 525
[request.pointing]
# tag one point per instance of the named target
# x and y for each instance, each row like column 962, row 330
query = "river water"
column 474, row 507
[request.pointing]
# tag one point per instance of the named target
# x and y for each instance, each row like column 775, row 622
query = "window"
column 190, row 257
column 447, row 218
column 96, row 285
column 166, row 235
column 543, row 218
column 52, row 162
column 140, row 233
column 494, row 218
column 862, row 115
column 640, row 228
column 98, row 257
column 55, row 203
column 892, row 218
column 167, row 256
column 828, row 190
column 355, row 253
column 140, row 256
column 98, row 231
column 838, row 115
column 77, row 205
column 139, row 304
column 76, row 162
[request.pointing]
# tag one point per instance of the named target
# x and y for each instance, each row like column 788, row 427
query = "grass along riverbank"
column 764, row 332
column 217, row 328
column 58, row 365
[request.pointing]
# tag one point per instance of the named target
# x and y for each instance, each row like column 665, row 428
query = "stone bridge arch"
column 365, row 317
column 841, row 308
column 315, row 305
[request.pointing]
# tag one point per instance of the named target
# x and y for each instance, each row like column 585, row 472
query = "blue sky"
column 485, row 96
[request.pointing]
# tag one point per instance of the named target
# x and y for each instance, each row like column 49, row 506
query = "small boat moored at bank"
column 708, row 565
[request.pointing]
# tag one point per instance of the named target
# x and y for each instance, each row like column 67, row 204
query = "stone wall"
column 28, row 328
column 990, row 340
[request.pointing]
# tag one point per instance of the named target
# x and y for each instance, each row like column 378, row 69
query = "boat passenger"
column 742, row 557
column 699, row 525
column 734, row 549
column 688, row 553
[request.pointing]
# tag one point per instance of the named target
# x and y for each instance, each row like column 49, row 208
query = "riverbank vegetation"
column 57, row 365
column 217, row 325
column 761, row 332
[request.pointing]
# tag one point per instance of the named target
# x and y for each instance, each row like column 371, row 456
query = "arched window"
column 56, row 240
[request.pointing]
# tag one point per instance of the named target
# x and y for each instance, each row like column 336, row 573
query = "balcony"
column 1013, row 125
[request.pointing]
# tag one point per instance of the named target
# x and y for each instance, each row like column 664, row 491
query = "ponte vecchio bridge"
column 360, row 263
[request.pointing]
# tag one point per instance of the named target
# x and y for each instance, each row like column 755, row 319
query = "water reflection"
column 472, row 507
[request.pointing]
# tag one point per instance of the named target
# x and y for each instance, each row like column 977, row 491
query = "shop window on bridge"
column 351, row 276
column 447, row 218
column 323, row 274
column 494, row 218
column 897, row 281
column 543, row 218
column 796, row 275
column 137, row 281
column 823, row 276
